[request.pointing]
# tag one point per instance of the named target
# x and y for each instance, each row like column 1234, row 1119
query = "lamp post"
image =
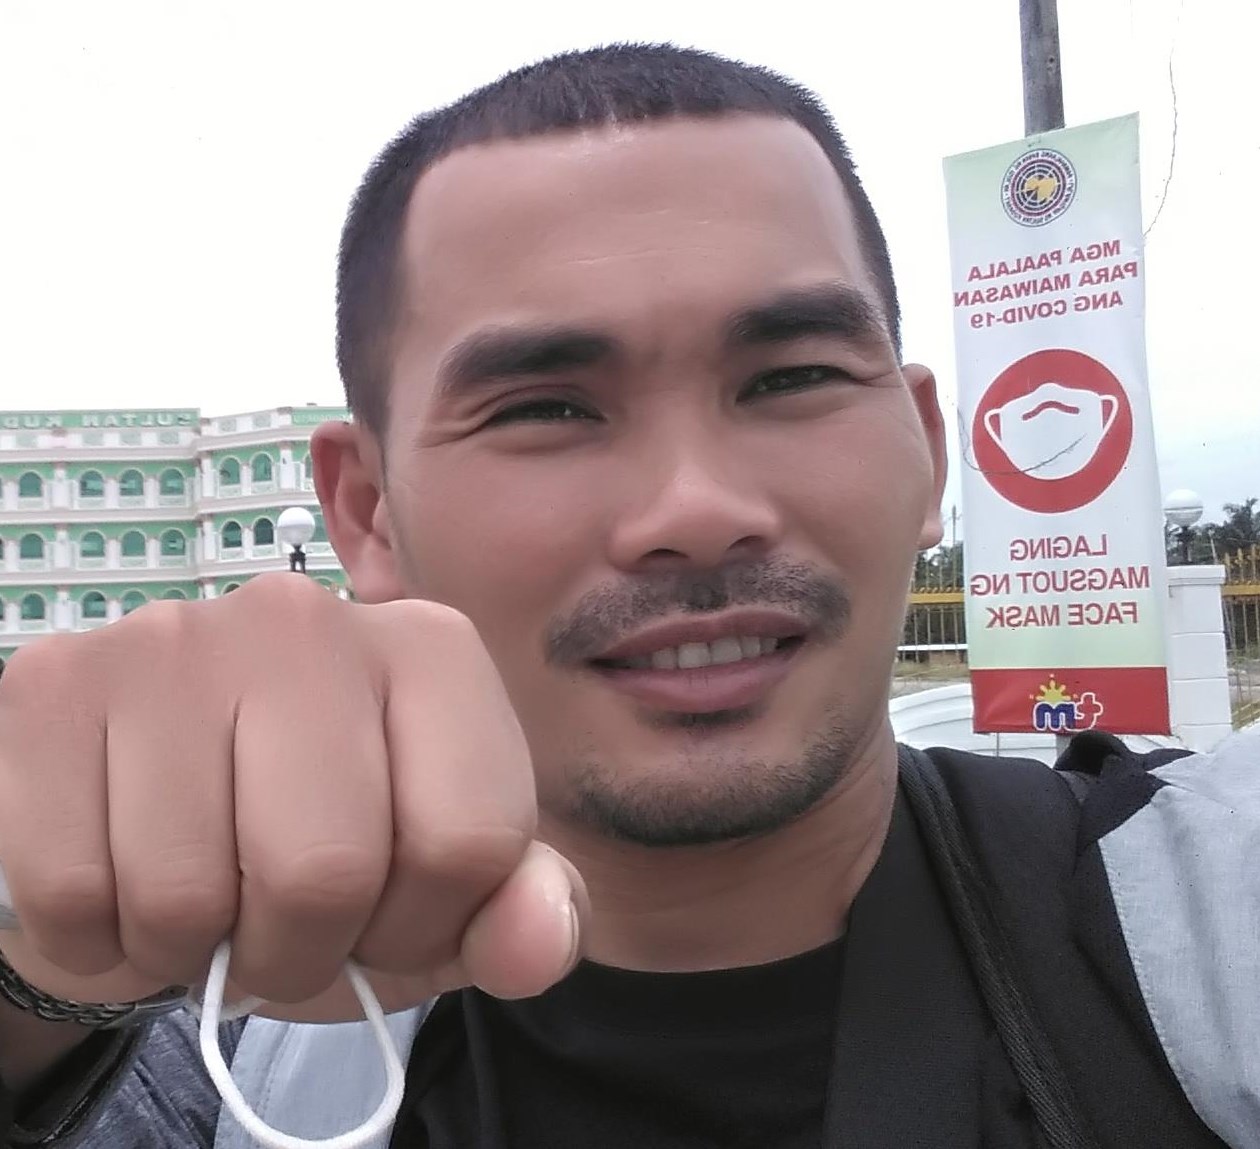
column 295, row 528
column 1182, row 509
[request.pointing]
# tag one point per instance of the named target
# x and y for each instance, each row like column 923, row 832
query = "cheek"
column 499, row 541
column 861, row 486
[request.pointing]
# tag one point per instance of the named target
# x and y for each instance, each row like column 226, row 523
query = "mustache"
column 606, row 614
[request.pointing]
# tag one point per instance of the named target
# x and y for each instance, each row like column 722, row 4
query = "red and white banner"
column 1063, row 526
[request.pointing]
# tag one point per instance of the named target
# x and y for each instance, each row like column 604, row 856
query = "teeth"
column 693, row 655
column 725, row 650
column 666, row 659
column 696, row 655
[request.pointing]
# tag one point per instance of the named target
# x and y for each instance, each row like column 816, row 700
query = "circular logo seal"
column 1038, row 187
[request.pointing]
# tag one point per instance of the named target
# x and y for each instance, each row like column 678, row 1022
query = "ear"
column 350, row 482
column 922, row 385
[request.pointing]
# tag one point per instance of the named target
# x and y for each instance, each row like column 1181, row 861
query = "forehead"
column 669, row 224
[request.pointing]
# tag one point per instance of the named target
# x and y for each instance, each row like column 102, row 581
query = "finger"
column 528, row 936
column 463, row 787
column 54, row 831
column 313, row 823
column 172, row 829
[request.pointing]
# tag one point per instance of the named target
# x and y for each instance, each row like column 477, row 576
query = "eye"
column 787, row 380
column 541, row 411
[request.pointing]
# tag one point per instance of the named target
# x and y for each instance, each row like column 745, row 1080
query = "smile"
column 701, row 667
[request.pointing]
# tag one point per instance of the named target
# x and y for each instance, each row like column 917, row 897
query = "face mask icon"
column 1054, row 431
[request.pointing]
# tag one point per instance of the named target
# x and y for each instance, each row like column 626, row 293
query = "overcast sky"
column 175, row 174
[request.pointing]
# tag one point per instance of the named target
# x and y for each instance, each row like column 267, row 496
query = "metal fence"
column 935, row 636
column 1242, row 633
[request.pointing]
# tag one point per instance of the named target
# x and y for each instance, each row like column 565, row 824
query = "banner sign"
column 1064, row 554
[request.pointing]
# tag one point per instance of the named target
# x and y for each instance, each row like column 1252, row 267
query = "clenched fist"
column 314, row 779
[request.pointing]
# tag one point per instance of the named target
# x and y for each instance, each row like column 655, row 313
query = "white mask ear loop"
column 211, row 1012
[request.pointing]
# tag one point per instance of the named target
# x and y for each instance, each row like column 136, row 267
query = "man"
column 636, row 483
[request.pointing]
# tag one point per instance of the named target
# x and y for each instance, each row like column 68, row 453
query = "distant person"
column 602, row 790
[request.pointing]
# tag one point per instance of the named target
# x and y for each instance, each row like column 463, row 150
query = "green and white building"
column 103, row 511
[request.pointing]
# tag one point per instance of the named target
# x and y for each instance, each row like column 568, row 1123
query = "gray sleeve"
column 164, row 1099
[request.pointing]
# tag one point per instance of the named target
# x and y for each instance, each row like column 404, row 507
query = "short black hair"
column 622, row 83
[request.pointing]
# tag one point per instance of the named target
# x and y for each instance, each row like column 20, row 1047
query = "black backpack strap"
column 1042, row 1078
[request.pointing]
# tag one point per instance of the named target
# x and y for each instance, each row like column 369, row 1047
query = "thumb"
column 528, row 936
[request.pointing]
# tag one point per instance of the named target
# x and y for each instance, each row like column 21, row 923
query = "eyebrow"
column 514, row 352
column 833, row 310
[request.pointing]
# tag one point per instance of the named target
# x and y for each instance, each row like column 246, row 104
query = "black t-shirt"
column 625, row 1060
column 881, row 1041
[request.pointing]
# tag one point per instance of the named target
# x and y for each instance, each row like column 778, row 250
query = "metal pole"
column 1043, row 103
column 1043, row 78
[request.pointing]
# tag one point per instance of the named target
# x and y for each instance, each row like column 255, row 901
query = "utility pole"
column 1043, row 77
column 1043, row 101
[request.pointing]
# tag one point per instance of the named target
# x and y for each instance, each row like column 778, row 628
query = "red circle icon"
column 1053, row 431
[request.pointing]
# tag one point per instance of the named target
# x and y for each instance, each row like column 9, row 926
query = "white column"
column 61, row 548
column 209, row 544
column 9, row 490
column 208, row 478
column 113, row 610
column 10, row 619
column 150, row 491
column 63, row 611
column 111, row 492
column 60, row 488
column 10, row 555
column 113, row 553
column 1197, row 661
column 151, row 551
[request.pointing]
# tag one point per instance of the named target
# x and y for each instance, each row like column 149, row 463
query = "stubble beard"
column 708, row 799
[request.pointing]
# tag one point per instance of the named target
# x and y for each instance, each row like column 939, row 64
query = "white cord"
column 211, row 1013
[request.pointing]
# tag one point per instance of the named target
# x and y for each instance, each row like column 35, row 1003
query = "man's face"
column 647, row 430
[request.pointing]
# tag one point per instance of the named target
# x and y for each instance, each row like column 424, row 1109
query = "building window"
column 131, row 485
column 229, row 473
column 175, row 595
column 231, row 587
column 174, row 545
column 91, row 485
column 260, row 469
column 133, row 600
column 264, row 533
column 232, row 537
column 320, row 535
column 34, row 609
column 92, row 545
column 30, row 486
column 133, row 545
column 31, row 549
column 93, row 608
column 171, row 484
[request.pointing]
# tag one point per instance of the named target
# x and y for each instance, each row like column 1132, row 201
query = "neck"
column 739, row 903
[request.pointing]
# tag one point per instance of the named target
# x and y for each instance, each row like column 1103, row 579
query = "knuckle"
column 330, row 878
column 280, row 591
column 35, row 675
column 68, row 897
column 194, row 907
column 478, row 854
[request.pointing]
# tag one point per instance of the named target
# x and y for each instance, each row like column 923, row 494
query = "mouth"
column 702, row 668
column 728, row 651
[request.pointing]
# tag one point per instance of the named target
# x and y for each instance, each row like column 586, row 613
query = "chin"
column 707, row 794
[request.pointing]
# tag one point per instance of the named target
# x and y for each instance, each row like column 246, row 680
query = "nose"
column 693, row 506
